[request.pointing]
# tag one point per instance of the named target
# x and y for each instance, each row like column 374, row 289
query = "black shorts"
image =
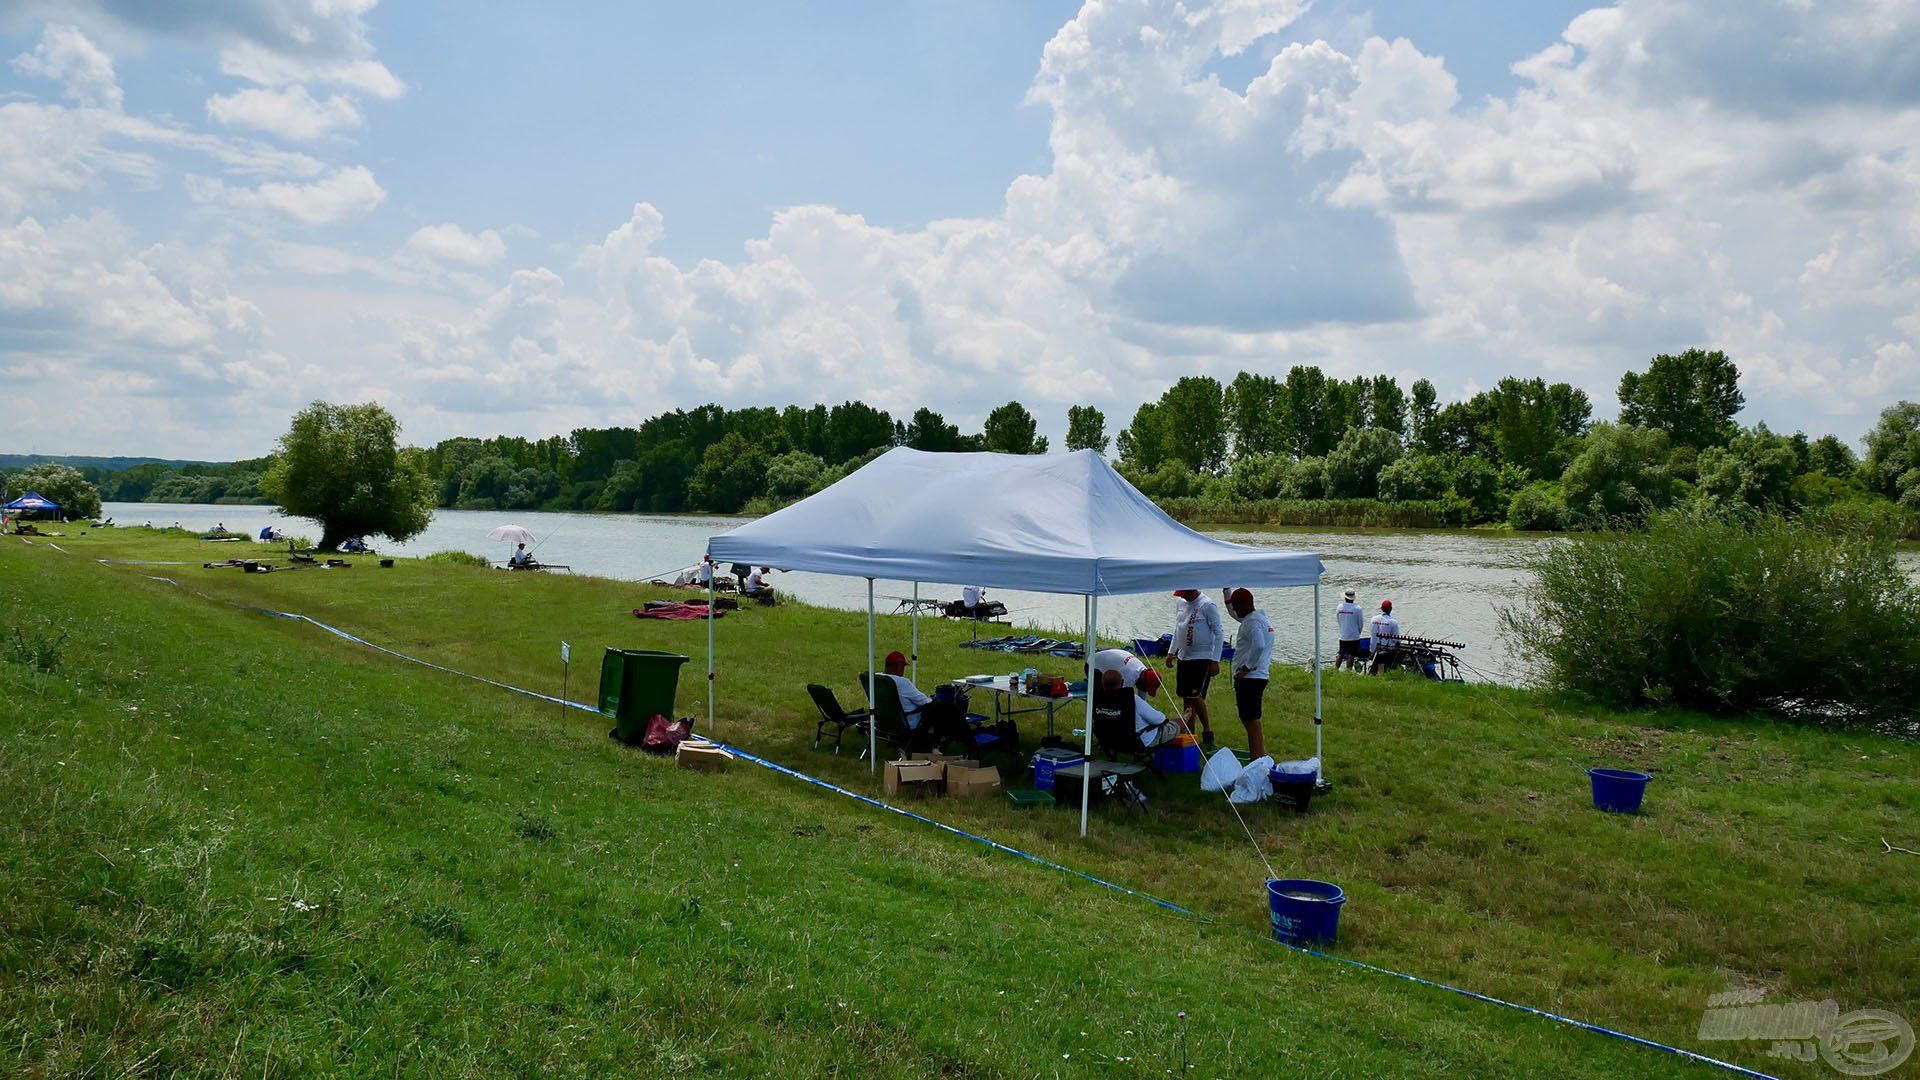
column 1350, row 648
column 1191, row 678
column 1248, row 695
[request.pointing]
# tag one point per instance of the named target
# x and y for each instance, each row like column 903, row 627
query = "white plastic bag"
column 1308, row 769
column 1254, row 783
column 1221, row 771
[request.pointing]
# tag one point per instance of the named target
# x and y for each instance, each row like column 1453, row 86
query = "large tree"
column 1086, row 429
column 341, row 467
column 63, row 484
column 1256, row 415
column 1692, row 397
column 855, row 428
column 928, row 430
column 1619, row 474
column 1754, row 471
column 1423, row 407
column 1011, row 429
column 1892, row 464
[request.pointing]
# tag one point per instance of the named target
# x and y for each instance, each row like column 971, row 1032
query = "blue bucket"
column 1618, row 791
column 1304, row 911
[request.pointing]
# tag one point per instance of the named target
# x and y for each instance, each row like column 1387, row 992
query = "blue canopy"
column 32, row 500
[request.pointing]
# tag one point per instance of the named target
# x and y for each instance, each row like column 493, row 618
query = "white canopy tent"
column 1062, row 523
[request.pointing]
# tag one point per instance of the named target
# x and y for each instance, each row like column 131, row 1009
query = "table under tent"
column 1059, row 523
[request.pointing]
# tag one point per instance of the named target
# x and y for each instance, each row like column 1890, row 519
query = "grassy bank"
column 230, row 840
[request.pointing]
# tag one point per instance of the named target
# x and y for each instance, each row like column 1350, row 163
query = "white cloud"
column 66, row 56
column 1668, row 174
column 292, row 113
column 450, row 244
column 341, row 194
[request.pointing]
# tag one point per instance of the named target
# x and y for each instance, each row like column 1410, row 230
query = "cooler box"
column 1181, row 755
column 1045, row 761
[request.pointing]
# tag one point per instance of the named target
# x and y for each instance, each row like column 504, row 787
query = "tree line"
column 1304, row 448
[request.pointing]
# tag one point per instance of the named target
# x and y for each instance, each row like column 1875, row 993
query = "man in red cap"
column 943, row 720
column 1194, row 657
column 1252, row 652
column 1134, row 673
column 1386, row 635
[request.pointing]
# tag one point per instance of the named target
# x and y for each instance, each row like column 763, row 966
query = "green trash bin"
column 636, row 685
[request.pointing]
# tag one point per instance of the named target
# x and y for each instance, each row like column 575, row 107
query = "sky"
column 504, row 218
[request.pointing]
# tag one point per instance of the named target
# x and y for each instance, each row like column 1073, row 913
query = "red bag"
column 664, row 736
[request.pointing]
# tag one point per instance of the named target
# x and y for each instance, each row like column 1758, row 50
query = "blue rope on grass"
column 1050, row 864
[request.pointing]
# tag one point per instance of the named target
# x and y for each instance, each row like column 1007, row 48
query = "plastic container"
column 1177, row 758
column 1047, row 760
column 636, row 685
column 1293, row 787
column 1304, row 911
column 1618, row 791
column 1025, row 799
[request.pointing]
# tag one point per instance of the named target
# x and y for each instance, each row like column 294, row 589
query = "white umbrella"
column 510, row 534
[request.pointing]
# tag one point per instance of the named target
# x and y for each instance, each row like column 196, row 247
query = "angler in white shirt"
column 1252, row 653
column 1348, row 617
column 972, row 596
column 1195, row 657
column 1149, row 723
column 1386, row 634
column 703, row 574
column 757, row 586
column 1134, row 672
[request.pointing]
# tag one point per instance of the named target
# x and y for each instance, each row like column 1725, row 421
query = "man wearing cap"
column 1348, row 616
column 1386, row 635
column 1134, row 673
column 1252, row 652
column 942, row 718
column 1194, row 657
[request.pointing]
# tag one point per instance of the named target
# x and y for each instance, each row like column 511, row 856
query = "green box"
column 636, row 685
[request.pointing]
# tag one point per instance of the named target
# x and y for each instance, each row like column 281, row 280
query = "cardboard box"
column 914, row 779
column 970, row 781
column 702, row 755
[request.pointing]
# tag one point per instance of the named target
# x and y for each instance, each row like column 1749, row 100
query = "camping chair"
column 1115, row 731
column 889, row 722
column 832, row 715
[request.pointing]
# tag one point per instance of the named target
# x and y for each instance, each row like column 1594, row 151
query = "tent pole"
column 1086, row 767
column 710, row 682
column 1316, row 675
column 873, row 729
column 916, row 634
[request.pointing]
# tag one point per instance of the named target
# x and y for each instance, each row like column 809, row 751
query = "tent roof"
column 32, row 500
column 1060, row 523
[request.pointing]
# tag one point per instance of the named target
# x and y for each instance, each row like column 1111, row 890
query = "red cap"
column 1150, row 681
column 1240, row 597
column 1386, row 605
column 896, row 658
column 1186, row 594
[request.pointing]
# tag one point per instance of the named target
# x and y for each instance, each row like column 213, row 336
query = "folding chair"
column 832, row 715
column 1114, row 729
column 889, row 722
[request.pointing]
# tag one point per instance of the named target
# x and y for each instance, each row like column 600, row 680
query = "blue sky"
column 521, row 218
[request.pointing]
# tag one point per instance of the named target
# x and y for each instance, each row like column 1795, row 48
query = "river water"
column 1447, row 585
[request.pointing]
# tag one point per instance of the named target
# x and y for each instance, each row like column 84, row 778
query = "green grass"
column 233, row 843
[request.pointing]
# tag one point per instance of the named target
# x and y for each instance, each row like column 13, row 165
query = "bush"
column 1538, row 507
column 78, row 499
column 1795, row 617
column 1621, row 474
column 459, row 558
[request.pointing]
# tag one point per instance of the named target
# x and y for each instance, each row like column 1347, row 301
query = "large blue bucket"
column 1618, row 791
column 1304, row 911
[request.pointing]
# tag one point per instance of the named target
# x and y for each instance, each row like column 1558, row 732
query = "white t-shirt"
column 971, row 595
column 1349, row 616
column 1386, row 631
column 1253, row 645
column 1128, row 665
column 1196, row 630
column 704, row 573
column 756, row 581
column 1150, row 722
column 521, row 557
column 911, row 699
